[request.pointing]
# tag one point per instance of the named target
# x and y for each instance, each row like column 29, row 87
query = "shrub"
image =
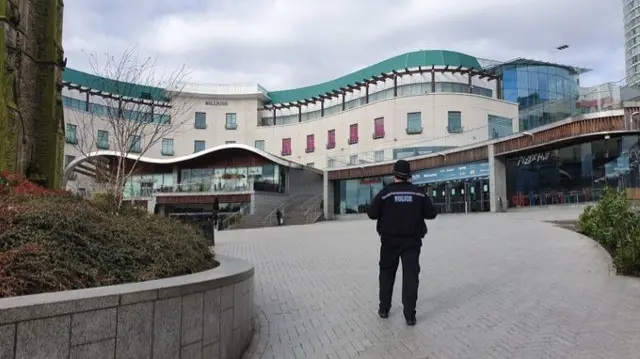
column 613, row 224
column 51, row 241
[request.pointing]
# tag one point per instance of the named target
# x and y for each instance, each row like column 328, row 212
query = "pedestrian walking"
column 400, row 209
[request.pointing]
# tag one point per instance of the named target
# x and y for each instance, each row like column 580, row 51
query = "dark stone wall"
column 31, row 118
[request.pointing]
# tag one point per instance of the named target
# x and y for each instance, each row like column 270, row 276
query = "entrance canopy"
column 86, row 164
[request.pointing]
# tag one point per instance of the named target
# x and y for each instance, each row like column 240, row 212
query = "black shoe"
column 411, row 321
column 383, row 313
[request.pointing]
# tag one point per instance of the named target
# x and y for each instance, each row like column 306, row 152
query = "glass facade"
column 109, row 111
column 453, row 189
column 544, row 94
column 576, row 173
column 268, row 178
column 404, row 152
column 265, row 178
column 499, row 126
column 631, row 9
column 146, row 185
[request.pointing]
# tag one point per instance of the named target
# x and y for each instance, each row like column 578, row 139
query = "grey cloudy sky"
column 290, row 43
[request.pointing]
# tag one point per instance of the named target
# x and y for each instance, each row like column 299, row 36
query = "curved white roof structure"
column 173, row 160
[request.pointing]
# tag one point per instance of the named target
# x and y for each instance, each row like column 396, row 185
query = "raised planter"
column 204, row 315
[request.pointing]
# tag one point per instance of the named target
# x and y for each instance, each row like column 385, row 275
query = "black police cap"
column 402, row 169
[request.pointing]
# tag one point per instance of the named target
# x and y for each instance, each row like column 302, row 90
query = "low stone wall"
column 204, row 315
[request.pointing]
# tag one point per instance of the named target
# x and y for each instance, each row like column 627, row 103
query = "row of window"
column 415, row 89
column 414, row 127
column 230, row 123
column 498, row 127
column 102, row 139
column 134, row 143
column 103, row 110
column 106, row 111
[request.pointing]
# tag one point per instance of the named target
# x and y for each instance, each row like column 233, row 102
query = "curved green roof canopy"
column 408, row 60
column 113, row 86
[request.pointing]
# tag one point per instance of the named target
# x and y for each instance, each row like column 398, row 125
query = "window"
column 229, row 142
column 353, row 159
column 414, row 123
column 103, row 140
column 378, row 156
column 259, row 144
column 71, row 135
column 135, row 144
column 378, row 128
column 331, row 139
column 331, row 163
column 286, row 146
column 230, row 122
column 499, row 126
column 68, row 159
column 311, row 146
column 198, row 146
column 454, row 124
column 167, row 147
column 353, row 133
column 201, row 120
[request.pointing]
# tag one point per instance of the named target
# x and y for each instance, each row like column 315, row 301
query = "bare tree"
column 137, row 108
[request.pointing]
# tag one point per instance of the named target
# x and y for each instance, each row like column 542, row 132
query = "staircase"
column 308, row 212
column 298, row 209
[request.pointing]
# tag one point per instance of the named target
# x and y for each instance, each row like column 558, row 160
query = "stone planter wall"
column 205, row 315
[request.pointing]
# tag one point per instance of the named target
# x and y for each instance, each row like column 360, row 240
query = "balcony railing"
column 229, row 186
column 353, row 140
column 377, row 135
column 331, row 145
column 455, row 129
column 414, row 131
column 231, row 126
column 310, row 149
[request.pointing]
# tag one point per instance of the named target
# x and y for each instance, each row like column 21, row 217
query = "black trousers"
column 392, row 251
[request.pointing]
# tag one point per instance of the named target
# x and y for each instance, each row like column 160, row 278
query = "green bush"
column 59, row 242
column 613, row 224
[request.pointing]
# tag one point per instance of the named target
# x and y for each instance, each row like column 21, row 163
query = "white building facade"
column 399, row 112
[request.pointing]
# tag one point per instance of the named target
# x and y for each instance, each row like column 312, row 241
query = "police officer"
column 400, row 209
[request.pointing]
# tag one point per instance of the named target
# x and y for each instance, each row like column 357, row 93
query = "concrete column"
column 252, row 203
column 151, row 205
column 176, row 176
column 497, row 182
column 327, row 198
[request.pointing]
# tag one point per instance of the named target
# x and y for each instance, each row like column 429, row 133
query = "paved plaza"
column 492, row 286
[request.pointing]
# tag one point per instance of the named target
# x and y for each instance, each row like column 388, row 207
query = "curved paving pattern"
column 492, row 286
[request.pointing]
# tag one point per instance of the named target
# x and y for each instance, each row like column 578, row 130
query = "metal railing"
column 245, row 186
column 235, row 216
column 205, row 187
column 556, row 197
column 308, row 209
column 269, row 219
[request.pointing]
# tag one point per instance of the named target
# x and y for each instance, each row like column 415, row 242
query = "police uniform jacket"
column 401, row 208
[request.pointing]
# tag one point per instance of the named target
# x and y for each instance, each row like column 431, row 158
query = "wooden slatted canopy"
column 557, row 135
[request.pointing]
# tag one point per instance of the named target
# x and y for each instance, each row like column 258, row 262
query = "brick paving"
column 492, row 286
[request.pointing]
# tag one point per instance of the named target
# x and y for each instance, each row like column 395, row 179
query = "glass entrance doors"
column 463, row 196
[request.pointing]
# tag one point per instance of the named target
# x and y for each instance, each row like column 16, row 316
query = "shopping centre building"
column 480, row 136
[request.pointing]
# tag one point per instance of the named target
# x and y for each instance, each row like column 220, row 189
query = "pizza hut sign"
column 535, row 158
